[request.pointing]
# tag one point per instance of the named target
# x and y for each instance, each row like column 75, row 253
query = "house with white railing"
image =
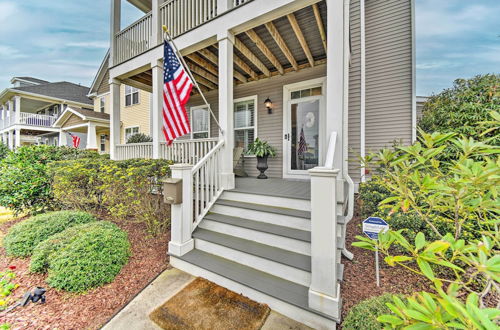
column 324, row 82
column 30, row 107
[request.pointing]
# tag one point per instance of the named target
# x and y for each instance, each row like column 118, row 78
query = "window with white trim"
column 103, row 142
column 129, row 131
column 200, row 123
column 245, row 119
column 102, row 104
column 131, row 95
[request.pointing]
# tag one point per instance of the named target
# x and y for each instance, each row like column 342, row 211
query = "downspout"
column 362, row 147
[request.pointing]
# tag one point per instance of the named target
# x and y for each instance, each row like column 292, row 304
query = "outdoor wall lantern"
column 269, row 105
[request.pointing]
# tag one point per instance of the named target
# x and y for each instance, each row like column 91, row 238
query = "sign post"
column 372, row 227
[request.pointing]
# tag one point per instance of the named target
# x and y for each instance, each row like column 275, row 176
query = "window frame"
column 133, row 90
column 102, row 104
column 102, row 143
column 191, row 110
column 130, row 127
column 255, row 99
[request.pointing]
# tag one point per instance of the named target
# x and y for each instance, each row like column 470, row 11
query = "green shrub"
column 25, row 185
column 371, row 193
column 128, row 189
column 364, row 315
column 4, row 150
column 82, row 257
column 139, row 138
column 23, row 237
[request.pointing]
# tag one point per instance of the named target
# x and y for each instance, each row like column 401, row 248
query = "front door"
column 303, row 128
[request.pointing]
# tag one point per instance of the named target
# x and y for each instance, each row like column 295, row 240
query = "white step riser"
column 264, row 265
column 272, row 218
column 290, row 203
column 281, row 242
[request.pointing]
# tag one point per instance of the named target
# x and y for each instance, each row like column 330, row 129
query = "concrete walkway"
column 136, row 314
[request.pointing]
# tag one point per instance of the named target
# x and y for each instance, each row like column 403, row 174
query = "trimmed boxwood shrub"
column 23, row 237
column 82, row 257
column 364, row 315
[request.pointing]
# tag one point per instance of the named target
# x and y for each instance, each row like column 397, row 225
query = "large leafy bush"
column 364, row 315
column 25, row 185
column 128, row 189
column 24, row 236
column 4, row 150
column 82, row 257
column 139, row 138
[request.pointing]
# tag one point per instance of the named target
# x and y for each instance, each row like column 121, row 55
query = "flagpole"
column 188, row 70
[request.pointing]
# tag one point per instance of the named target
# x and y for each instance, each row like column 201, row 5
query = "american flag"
column 302, row 143
column 76, row 140
column 176, row 91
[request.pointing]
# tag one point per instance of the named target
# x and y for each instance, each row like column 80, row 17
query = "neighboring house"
column 134, row 107
column 340, row 76
column 29, row 109
column 420, row 105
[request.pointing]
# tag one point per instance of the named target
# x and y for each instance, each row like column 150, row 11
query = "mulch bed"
column 93, row 309
column 206, row 305
column 359, row 274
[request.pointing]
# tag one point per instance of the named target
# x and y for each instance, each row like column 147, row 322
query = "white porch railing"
column 33, row 119
column 134, row 39
column 181, row 151
column 180, row 16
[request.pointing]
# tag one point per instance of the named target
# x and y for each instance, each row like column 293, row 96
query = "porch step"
column 287, row 291
column 302, row 235
column 277, row 201
column 266, row 208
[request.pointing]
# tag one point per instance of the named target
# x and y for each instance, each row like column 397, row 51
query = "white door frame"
column 287, row 90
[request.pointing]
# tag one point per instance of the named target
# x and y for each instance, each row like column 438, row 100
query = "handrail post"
column 324, row 292
column 156, row 23
column 17, row 109
column 181, row 241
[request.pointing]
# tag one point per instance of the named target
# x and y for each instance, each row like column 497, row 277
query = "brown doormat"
column 205, row 305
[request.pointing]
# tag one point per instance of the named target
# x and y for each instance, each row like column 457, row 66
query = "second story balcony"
column 28, row 119
column 179, row 16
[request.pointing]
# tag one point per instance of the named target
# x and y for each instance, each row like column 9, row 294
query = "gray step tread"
column 292, row 293
column 302, row 235
column 265, row 208
column 282, row 256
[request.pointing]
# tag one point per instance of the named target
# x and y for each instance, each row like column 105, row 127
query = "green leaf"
column 426, row 269
column 393, row 320
column 419, row 241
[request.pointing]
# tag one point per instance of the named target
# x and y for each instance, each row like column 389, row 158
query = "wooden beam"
column 251, row 57
column 288, row 70
column 245, row 67
column 239, row 76
column 300, row 37
column 209, row 56
column 137, row 84
column 205, row 82
column 142, row 80
column 319, row 21
column 266, row 51
column 199, row 71
column 273, row 31
column 203, row 63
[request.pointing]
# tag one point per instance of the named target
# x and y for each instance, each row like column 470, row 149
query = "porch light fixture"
column 269, row 105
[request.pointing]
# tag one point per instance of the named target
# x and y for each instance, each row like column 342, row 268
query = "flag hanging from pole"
column 176, row 92
column 76, row 140
column 302, row 143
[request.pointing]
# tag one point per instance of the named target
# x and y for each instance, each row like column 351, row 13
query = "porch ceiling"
column 289, row 43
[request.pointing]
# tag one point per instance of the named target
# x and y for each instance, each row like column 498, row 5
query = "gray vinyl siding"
column 388, row 73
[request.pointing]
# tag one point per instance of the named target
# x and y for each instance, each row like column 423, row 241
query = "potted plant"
column 262, row 150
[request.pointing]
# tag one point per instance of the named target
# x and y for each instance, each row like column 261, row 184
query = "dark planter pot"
column 262, row 167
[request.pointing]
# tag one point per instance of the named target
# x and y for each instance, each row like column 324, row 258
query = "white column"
column 156, row 22
column 91, row 137
column 335, row 76
column 114, row 117
column 226, row 107
column 156, row 107
column 181, row 241
column 17, row 109
column 11, row 139
column 223, row 5
column 324, row 292
column 63, row 139
column 17, row 142
column 114, row 28
column 10, row 112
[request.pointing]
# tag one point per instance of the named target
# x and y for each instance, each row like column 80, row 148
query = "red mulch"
column 359, row 274
column 93, row 309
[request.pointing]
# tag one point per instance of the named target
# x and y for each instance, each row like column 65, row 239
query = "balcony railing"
column 29, row 119
column 181, row 151
column 179, row 16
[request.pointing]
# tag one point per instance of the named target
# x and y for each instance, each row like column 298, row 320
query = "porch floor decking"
column 299, row 189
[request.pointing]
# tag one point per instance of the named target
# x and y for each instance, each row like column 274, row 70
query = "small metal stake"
column 376, row 266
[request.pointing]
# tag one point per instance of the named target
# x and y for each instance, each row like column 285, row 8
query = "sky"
column 66, row 40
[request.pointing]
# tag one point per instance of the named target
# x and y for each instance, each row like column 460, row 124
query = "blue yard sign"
column 373, row 225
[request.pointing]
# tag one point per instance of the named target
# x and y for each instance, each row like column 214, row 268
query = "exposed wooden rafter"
column 319, row 21
column 209, row 56
column 245, row 67
column 206, row 65
column 251, row 57
column 263, row 48
column 239, row 76
column 291, row 69
column 201, row 72
column 205, row 82
column 300, row 36
column 273, row 31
